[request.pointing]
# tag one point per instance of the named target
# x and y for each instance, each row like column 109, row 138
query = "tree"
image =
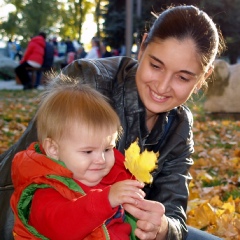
column 114, row 25
column 52, row 16
column 9, row 27
column 97, row 16
column 30, row 17
column 73, row 15
column 66, row 19
column 225, row 14
column 39, row 15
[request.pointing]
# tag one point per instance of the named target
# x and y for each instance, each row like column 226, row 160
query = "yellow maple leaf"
column 140, row 165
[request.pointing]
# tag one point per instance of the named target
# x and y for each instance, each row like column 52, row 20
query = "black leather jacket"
column 171, row 136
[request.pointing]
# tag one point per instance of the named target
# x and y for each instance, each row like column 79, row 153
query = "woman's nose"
column 163, row 84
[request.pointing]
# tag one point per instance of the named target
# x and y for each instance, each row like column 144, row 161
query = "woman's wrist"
column 163, row 231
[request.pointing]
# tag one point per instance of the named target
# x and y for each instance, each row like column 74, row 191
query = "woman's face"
column 167, row 74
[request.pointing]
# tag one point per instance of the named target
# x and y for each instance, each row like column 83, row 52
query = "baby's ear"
column 51, row 148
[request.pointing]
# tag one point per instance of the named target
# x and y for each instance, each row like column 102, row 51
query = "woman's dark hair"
column 187, row 21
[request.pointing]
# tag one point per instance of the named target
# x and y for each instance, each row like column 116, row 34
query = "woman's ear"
column 51, row 148
column 209, row 72
column 142, row 47
column 205, row 77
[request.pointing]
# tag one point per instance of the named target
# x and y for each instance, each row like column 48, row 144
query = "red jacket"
column 35, row 50
column 62, row 209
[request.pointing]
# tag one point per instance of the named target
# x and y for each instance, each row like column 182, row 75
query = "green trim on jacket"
column 25, row 201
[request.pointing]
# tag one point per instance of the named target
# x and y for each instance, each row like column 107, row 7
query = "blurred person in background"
column 95, row 51
column 104, row 51
column 33, row 58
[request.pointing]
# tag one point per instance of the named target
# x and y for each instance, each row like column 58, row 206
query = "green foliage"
column 67, row 18
column 30, row 18
column 215, row 182
column 73, row 15
column 234, row 194
column 9, row 28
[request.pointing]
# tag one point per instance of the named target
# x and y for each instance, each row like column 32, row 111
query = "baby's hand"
column 128, row 191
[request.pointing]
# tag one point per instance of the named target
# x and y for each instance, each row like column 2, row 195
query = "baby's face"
column 89, row 156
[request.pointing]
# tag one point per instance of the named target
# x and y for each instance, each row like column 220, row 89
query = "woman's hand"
column 152, row 222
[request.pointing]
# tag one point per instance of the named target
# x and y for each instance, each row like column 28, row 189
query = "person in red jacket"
column 33, row 58
column 72, row 183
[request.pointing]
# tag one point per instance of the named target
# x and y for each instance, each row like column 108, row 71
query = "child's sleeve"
column 58, row 218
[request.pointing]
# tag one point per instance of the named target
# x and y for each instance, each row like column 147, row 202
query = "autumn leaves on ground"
column 214, row 203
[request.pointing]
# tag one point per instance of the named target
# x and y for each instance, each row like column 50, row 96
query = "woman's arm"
column 170, row 184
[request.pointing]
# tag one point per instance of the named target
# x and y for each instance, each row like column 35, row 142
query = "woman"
column 95, row 51
column 175, row 60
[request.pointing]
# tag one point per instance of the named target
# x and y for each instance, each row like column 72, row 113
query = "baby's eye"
column 87, row 152
column 108, row 149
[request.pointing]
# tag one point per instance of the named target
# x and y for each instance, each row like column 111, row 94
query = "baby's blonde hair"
column 71, row 103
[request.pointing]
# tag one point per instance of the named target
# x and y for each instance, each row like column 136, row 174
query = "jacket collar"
column 136, row 115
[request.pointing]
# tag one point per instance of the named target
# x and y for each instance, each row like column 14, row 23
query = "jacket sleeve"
column 171, row 179
column 27, row 52
column 6, row 187
column 58, row 216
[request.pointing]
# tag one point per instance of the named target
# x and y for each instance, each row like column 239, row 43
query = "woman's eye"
column 154, row 65
column 183, row 78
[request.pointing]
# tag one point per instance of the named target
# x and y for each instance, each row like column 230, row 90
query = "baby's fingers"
column 132, row 199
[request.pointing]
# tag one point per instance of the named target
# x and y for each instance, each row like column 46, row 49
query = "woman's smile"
column 165, row 77
column 157, row 97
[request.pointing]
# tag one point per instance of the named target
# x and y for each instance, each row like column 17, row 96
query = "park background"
column 117, row 22
column 214, row 203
